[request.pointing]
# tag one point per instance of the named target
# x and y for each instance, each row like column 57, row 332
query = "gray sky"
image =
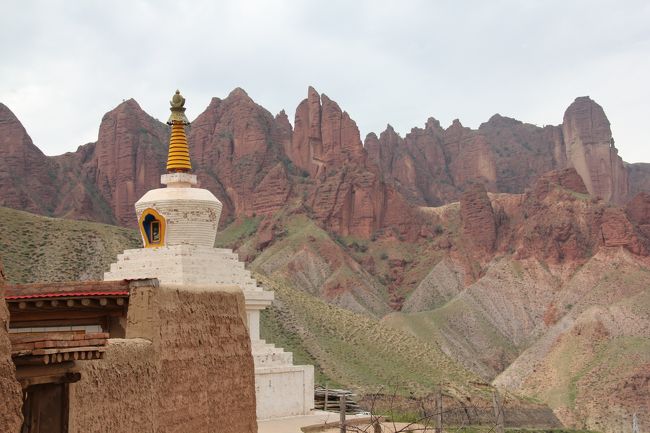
column 65, row 63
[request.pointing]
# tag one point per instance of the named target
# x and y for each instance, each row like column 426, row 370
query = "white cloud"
column 68, row 63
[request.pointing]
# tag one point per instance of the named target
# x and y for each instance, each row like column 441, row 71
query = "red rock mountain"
column 26, row 175
column 237, row 149
column 433, row 166
column 256, row 163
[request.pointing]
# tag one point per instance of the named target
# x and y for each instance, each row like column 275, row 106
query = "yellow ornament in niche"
column 152, row 228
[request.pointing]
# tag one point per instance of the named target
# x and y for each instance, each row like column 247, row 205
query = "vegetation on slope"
column 354, row 349
column 36, row 248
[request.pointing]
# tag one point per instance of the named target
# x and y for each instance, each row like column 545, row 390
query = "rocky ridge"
column 495, row 272
column 256, row 163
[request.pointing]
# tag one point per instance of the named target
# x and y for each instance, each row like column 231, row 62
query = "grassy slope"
column 347, row 348
column 307, row 257
column 604, row 343
column 36, row 248
column 353, row 349
column 350, row 349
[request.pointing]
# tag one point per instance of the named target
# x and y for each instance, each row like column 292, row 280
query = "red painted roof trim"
column 68, row 295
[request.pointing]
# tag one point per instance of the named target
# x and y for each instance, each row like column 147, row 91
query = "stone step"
column 272, row 359
column 239, row 275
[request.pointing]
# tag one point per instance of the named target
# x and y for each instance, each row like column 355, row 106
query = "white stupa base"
column 282, row 389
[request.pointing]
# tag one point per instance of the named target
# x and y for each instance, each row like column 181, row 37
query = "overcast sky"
column 66, row 63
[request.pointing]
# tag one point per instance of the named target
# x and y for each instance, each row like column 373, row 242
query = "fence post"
column 439, row 411
column 498, row 411
column 326, row 395
column 343, row 429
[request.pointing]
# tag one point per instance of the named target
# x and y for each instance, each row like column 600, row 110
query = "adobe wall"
column 116, row 394
column 185, row 366
column 11, row 399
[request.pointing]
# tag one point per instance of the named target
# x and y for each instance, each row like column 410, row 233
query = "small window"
column 155, row 232
column 152, row 226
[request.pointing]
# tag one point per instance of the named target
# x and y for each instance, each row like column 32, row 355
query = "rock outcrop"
column 590, row 150
column 559, row 222
column 28, row 178
column 237, row 149
column 568, row 179
column 433, row 166
column 255, row 163
column 416, row 165
column 477, row 218
column 349, row 195
column 638, row 178
column 638, row 212
column 128, row 158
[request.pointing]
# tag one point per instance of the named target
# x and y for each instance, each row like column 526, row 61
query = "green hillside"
column 37, row 248
column 353, row 349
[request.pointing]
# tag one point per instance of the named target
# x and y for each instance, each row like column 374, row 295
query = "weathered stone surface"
column 237, row 148
column 477, row 219
column 590, row 149
column 521, row 151
column 568, row 179
column 638, row 177
column 617, row 231
column 28, row 178
column 416, row 164
column 349, row 196
column 638, row 212
column 128, row 158
column 432, row 166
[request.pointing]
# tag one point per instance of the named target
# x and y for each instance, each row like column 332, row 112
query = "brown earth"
column 11, row 401
column 154, row 381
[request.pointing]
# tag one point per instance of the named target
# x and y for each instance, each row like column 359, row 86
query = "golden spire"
column 178, row 158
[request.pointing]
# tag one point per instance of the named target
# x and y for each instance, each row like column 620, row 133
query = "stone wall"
column 10, row 394
column 185, row 366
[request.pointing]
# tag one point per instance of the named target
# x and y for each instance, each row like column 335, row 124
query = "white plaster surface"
column 191, row 214
column 187, row 258
column 282, row 389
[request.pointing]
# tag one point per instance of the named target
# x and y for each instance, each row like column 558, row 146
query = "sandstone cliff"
column 590, row 150
column 349, row 195
column 257, row 163
column 28, row 178
column 128, row 158
column 433, row 166
column 237, row 150
column 478, row 224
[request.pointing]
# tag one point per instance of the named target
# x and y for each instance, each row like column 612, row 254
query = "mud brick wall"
column 185, row 366
column 116, row 394
column 11, row 398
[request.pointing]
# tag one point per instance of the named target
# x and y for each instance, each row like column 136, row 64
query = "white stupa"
column 178, row 225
